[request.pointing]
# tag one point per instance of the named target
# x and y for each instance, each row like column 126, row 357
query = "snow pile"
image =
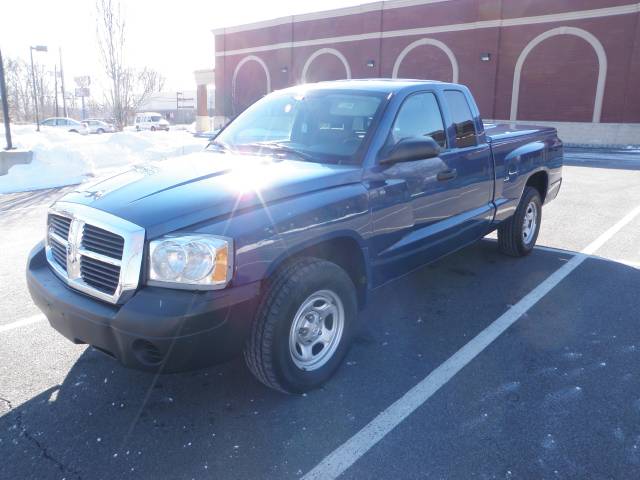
column 62, row 158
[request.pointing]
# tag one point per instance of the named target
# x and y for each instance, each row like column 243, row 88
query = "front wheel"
column 517, row 236
column 303, row 326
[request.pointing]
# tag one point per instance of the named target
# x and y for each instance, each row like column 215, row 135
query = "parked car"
column 68, row 124
column 98, row 126
column 270, row 240
column 151, row 121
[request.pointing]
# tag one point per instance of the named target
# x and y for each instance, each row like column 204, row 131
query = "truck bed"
column 499, row 132
column 519, row 150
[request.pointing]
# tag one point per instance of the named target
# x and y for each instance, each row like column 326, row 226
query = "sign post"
column 82, row 91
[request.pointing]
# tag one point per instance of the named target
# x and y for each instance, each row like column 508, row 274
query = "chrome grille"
column 60, row 225
column 100, row 275
column 101, row 241
column 58, row 233
column 93, row 251
column 59, row 252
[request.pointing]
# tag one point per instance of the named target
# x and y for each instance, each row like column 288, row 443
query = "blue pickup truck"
column 270, row 240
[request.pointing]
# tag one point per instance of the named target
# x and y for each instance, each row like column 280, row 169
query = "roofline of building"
column 324, row 14
column 633, row 8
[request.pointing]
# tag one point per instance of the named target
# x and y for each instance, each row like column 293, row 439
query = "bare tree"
column 19, row 93
column 138, row 86
column 129, row 88
column 110, row 30
column 19, row 80
column 144, row 83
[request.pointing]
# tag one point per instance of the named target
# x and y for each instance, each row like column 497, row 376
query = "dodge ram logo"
column 73, row 248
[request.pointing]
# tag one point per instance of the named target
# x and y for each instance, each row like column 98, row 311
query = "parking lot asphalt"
column 557, row 395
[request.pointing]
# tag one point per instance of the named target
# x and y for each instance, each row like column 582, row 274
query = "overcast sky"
column 171, row 36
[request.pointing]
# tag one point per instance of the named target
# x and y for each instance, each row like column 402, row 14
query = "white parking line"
column 349, row 452
column 22, row 323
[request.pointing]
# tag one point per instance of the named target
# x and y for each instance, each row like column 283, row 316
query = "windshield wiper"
column 284, row 148
column 220, row 145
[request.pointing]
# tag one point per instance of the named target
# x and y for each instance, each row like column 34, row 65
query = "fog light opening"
column 147, row 353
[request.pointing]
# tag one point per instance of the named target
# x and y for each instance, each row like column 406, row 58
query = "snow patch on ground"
column 61, row 158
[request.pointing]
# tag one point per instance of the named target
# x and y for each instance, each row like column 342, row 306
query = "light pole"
column 64, row 100
column 5, row 106
column 55, row 87
column 37, row 48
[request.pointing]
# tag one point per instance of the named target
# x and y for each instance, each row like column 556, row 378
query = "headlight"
column 191, row 261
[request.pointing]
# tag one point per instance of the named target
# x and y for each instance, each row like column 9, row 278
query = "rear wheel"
column 100, row 131
column 303, row 326
column 517, row 236
column 153, row 129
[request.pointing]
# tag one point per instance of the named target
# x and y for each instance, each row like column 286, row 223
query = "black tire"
column 511, row 240
column 100, row 131
column 267, row 351
column 153, row 129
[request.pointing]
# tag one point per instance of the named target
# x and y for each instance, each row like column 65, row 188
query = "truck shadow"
column 104, row 421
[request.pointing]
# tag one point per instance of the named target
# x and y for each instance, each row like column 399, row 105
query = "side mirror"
column 412, row 148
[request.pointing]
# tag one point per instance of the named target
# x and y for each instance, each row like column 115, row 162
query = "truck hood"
column 169, row 195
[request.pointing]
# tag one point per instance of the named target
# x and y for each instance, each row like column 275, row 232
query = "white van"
column 151, row 121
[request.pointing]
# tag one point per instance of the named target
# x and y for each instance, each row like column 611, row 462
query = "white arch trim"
column 602, row 66
column 249, row 58
column 455, row 70
column 323, row 51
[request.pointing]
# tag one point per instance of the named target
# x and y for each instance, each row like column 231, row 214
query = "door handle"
column 445, row 175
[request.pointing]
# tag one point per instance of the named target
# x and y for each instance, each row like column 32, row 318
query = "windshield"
column 323, row 126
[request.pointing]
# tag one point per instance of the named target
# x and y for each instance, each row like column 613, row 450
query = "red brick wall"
column 558, row 77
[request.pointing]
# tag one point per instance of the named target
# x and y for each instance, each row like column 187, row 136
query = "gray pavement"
column 557, row 395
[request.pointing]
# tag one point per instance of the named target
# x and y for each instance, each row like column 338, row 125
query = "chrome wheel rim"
column 530, row 223
column 316, row 330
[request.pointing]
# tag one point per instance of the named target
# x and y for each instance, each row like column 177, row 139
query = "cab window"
column 419, row 116
column 466, row 135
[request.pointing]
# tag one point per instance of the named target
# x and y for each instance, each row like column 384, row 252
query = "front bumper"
column 157, row 329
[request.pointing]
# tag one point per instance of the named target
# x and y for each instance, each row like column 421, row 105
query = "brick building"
column 573, row 61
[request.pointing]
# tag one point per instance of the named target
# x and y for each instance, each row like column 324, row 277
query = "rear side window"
column 462, row 119
column 419, row 116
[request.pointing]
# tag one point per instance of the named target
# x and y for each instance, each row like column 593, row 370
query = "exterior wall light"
column 284, row 69
column 485, row 57
column 371, row 63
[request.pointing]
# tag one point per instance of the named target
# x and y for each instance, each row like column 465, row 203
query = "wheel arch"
column 540, row 181
column 345, row 249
